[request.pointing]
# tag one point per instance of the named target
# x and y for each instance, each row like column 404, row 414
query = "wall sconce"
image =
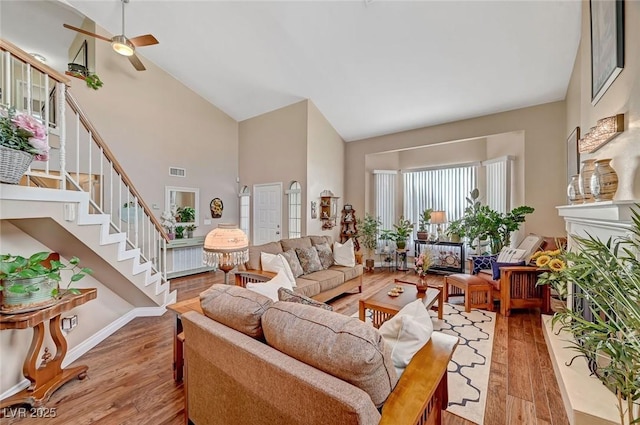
column 604, row 131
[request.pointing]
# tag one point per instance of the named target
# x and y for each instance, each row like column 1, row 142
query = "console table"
column 448, row 256
column 50, row 376
column 184, row 257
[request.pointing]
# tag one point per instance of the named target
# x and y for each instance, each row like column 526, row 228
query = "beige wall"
column 623, row 96
column 92, row 317
column 543, row 127
column 272, row 149
column 151, row 122
column 325, row 168
column 510, row 144
column 444, row 154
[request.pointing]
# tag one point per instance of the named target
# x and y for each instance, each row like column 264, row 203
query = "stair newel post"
column 61, row 112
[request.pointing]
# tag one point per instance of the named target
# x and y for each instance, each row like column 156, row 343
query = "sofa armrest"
column 421, row 392
column 253, row 276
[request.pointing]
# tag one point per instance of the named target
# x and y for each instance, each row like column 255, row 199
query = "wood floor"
column 130, row 380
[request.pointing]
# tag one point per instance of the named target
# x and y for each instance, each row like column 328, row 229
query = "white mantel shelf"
column 586, row 400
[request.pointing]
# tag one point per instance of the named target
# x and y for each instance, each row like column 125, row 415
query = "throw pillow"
column 482, row 262
column 407, row 332
column 288, row 295
column 235, row 307
column 275, row 263
column 294, row 263
column 344, row 254
column 339, row 345
column 325, row 254
column 270, row 288
column 309, row 259
column 511, row 255
column 495, row 267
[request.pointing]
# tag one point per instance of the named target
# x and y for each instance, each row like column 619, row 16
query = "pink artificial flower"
column 43, row 148
column 29, row 123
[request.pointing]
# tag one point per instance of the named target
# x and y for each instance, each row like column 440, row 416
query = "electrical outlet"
column 68, row 323
column 155, row 207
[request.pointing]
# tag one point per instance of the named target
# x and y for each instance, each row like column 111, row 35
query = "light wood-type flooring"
column 130, row 380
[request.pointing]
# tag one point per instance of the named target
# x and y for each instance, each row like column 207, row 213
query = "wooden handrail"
column 26, row 57
column 116, row 165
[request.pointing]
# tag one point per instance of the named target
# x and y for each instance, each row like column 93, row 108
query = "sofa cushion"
column 340, row 345
column 325, row 254
column 236, row 307
column 344, row 254
column 487, row 275
column 275, row 263
column 289, row 296
column 292, row 258
column 254, row 253
column 482, row 262
column 309, row 259
column 407, row 332
column 270, row 287
column 303, row 242
column 328, row 279
column 349, row 272
column 306, row 287
column 317, row 240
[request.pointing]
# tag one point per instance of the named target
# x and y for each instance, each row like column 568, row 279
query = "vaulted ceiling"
column 372, row 67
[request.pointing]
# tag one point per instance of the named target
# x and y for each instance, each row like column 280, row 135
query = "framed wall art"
column 607, row 44
column 573, row 157
column 216, row 206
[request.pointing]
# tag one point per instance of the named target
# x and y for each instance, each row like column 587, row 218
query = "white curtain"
column 499, row 183
column 385, row 196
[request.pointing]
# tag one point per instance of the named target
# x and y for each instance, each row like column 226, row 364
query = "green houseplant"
column 189, row 229
column 368, row 236
column 30, row 281
column 401, row 232
column 425, row 218
column 179, row 232
column 607, row 275
column 187, row 214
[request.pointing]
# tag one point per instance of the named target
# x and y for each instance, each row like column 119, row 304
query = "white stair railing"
column 79, row 159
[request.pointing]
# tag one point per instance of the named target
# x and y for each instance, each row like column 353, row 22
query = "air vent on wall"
column 177, row 172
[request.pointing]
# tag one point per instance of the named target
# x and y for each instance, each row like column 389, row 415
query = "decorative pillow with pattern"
column 294, row 263
column 309, row 259
column 482, row 262
column 325, row 254
column 287, row 295
column 495, row 267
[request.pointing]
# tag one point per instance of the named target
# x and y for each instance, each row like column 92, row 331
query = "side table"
column 50, row 376
column 179, row 308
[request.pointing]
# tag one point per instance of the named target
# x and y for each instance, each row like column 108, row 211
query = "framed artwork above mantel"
column 607, row 44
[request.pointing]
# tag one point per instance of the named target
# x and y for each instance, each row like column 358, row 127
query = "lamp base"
column 226, row 268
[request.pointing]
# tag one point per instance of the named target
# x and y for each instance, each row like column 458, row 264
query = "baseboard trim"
column 79, row 350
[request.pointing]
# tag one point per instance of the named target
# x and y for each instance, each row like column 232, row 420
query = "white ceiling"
column 372, row 68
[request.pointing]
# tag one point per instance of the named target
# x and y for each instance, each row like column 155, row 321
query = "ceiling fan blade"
column 143, row 40
column 137, row 64
column 80, row 30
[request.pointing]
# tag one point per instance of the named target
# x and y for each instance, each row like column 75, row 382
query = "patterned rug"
column 471, row 362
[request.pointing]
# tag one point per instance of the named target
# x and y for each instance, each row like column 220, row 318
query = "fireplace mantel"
column 586, row 400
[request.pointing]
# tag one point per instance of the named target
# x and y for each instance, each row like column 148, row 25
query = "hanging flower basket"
column 13, row 164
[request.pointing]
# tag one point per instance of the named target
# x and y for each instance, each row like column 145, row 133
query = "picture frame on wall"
column 607, row 44
column 573, row 156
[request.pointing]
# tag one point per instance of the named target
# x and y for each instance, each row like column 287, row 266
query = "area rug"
column 471, row 362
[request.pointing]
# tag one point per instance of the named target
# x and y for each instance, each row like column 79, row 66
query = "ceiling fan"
column 121, row 44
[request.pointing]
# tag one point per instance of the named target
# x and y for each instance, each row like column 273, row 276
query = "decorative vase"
column 189, row 233
column 13, row 164
column 41, row 297
column 573, row 190
column 586, row 171
column 421, row 286
column 171, row 235
column 401, row 244
column 604, row 180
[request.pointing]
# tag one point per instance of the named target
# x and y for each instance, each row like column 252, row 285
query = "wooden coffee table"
column 384, row 306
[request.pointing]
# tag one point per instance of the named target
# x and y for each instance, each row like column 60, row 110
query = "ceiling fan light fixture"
column 122, row 45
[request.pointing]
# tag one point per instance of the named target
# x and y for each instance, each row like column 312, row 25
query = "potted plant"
column 607, row 276
column 455, row 231
column 187, row 214
column 33, row 282
column 425, row 218
column 401, row 232
column 179, row 232
column 22, row 139
column 190, row 228
column 168, row 221
column 368, row 236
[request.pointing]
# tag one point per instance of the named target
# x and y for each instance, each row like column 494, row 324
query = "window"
column 245, row 197
column 441, row 189
column 385, row 197
column 295, row 210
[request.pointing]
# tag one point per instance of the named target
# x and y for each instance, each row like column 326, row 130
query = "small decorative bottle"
column 604, row 181
column 573, row 190
column 588, row 165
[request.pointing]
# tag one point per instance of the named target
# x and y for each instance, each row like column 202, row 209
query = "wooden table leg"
column 440, row 303
column 361, row 310
column 178, row 351
column 50, row 376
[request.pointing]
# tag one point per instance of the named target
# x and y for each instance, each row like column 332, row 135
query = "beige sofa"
column 234, row 377
column 321, row 285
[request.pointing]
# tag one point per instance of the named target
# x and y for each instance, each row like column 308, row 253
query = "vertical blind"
column 499, row 183
column 442, row 189
column 385, row 196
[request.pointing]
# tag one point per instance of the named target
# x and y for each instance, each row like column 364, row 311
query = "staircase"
column 81, row 202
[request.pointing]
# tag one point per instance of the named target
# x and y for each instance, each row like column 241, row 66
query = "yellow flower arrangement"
column 554, row 264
